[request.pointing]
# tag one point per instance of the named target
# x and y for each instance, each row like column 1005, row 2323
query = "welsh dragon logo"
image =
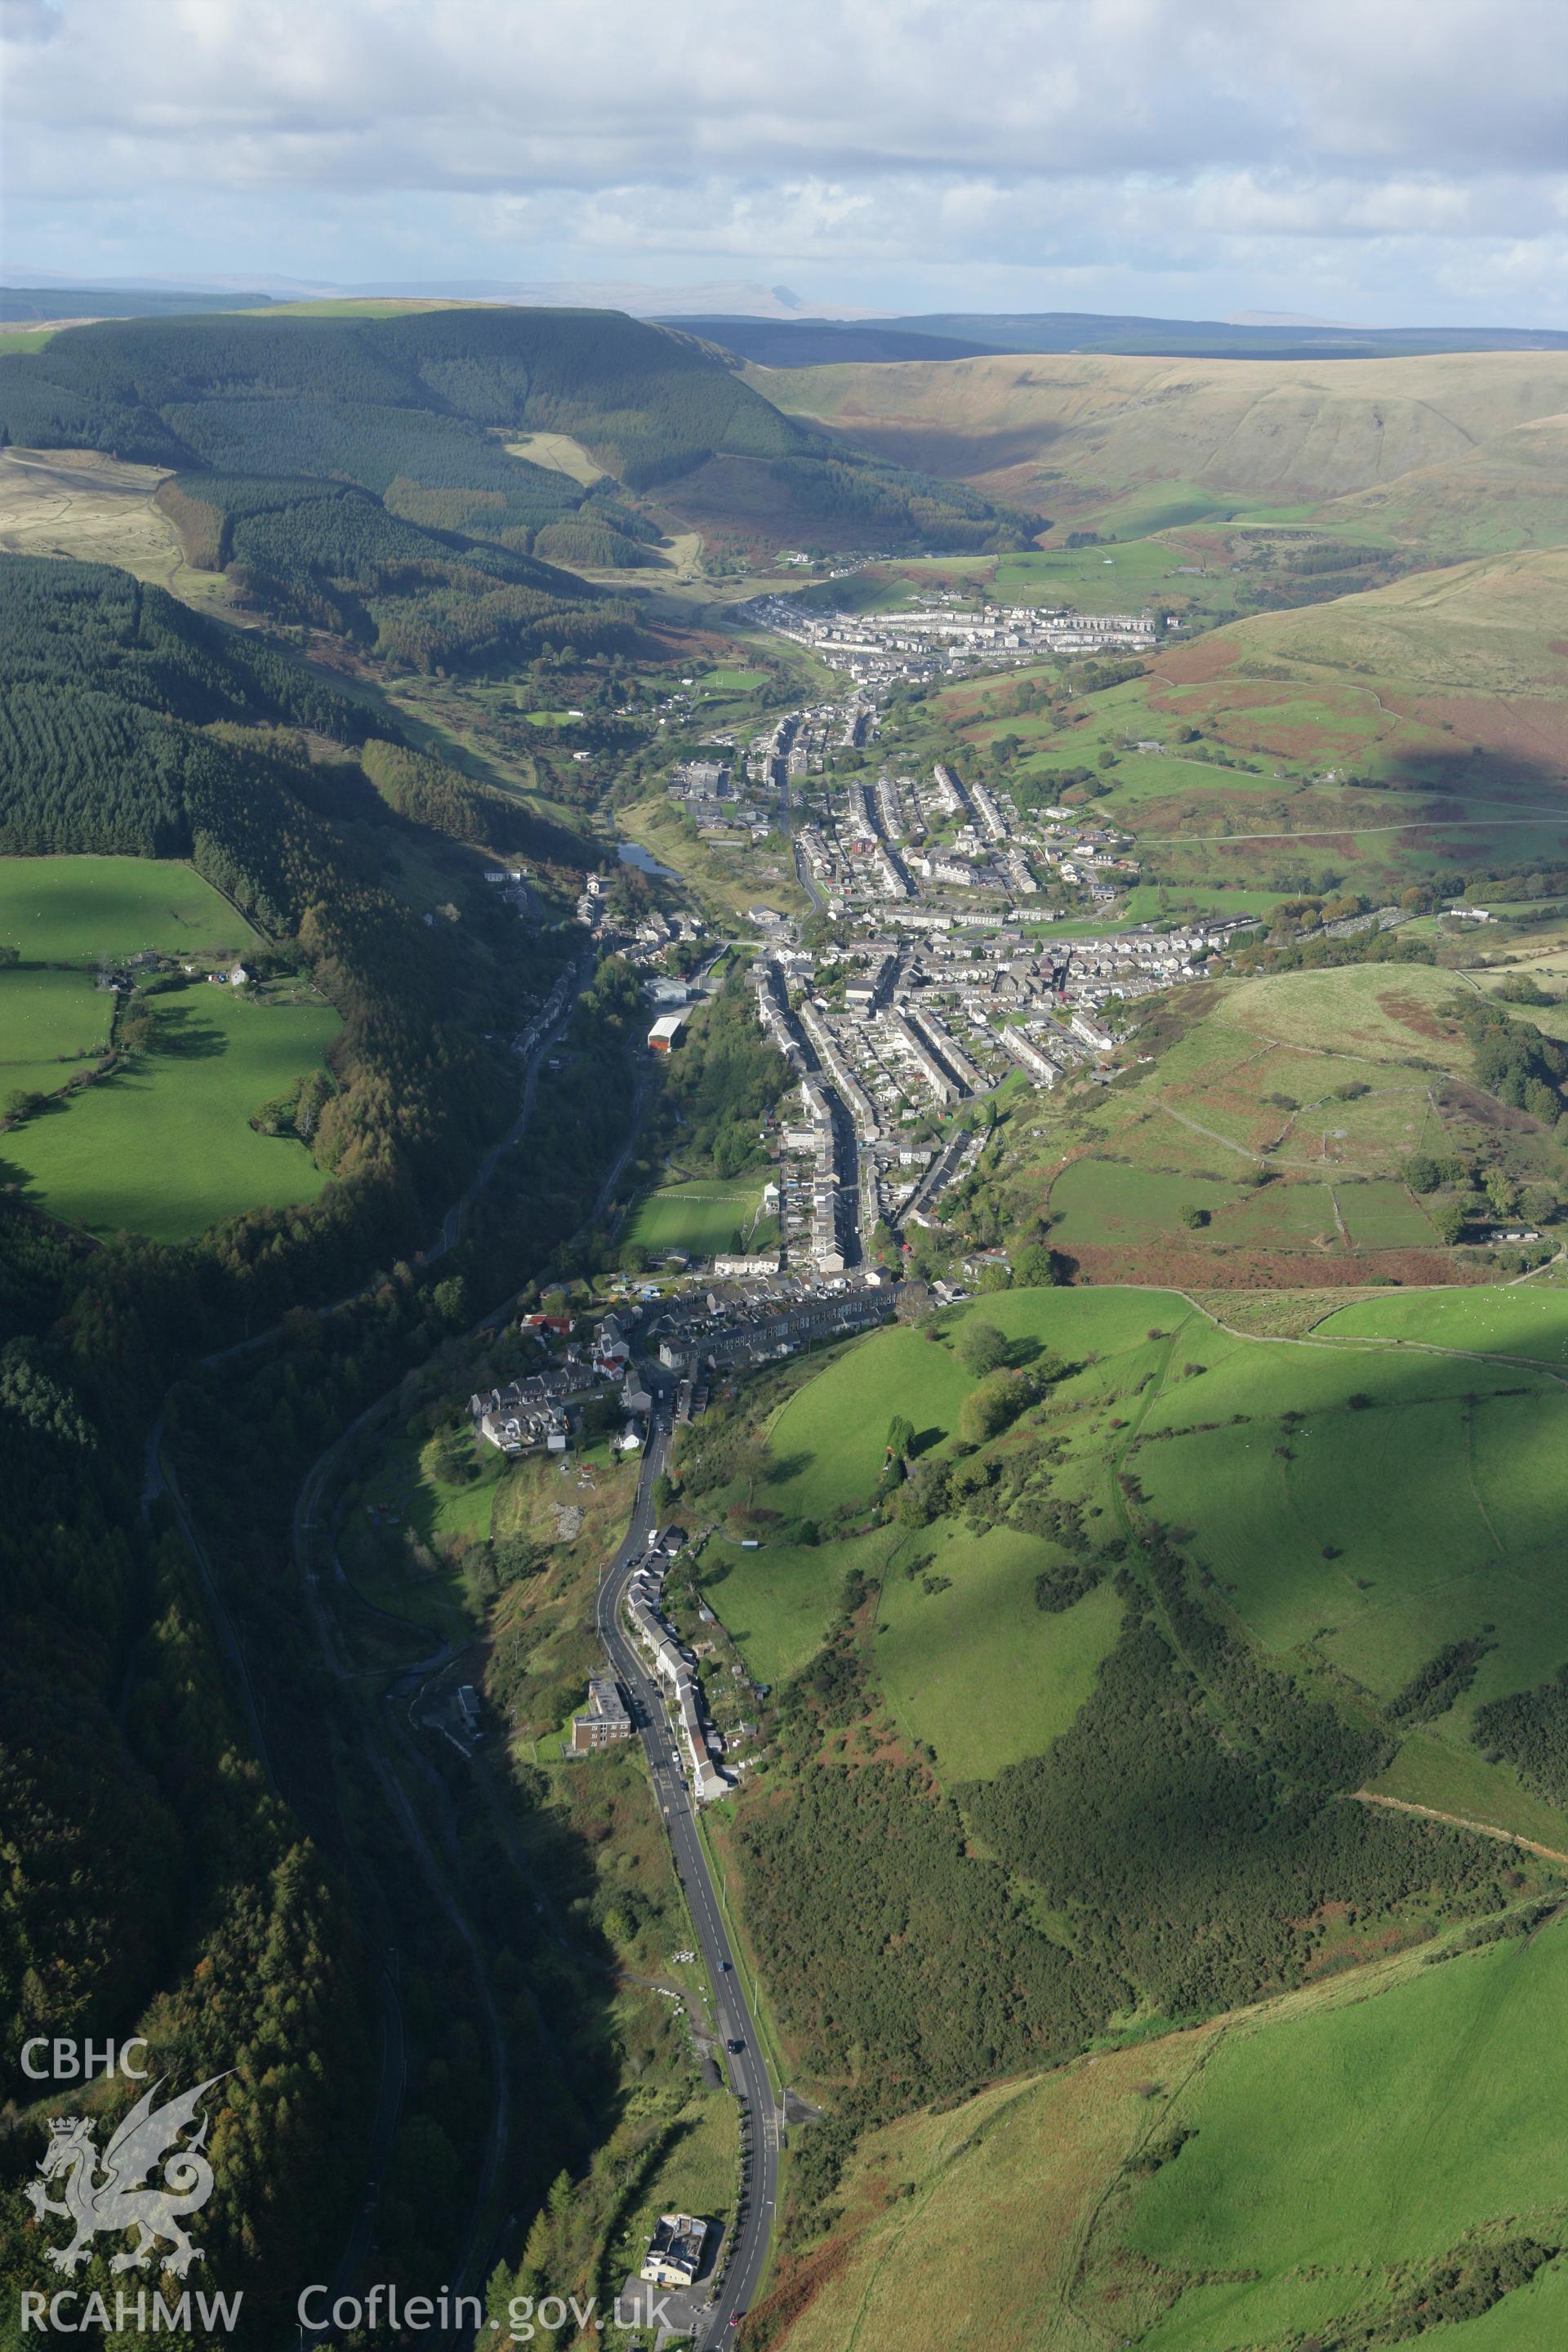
column 116, row 2198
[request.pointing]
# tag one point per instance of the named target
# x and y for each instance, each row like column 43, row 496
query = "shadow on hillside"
column 1491, row 773
column 785, row 1466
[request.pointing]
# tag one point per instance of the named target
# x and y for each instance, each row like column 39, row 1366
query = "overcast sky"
column 1376, row 161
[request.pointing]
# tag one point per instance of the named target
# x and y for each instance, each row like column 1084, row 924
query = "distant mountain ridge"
column 822, row 341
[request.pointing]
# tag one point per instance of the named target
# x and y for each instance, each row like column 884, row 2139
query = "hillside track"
column 1458, row 1822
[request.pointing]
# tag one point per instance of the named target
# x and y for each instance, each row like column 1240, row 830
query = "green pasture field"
column 15, row 339
column 978, row 1672
column 1521, row 1321
column 703, row 1217
column 1098, row 1201
column 829, row 1438
column 1095, row 1202
column 1386, row 1494
column 1168, row 506
column 51, row 1025
column 732, row 681
column 827, row 1443
column 1452, row 1779
column 1290, row 1216
column 1126, row 577
column 1383, row 1215
column 1331, row 2145
column 76, row 909
column 164, row 1147
column 1379, row 1130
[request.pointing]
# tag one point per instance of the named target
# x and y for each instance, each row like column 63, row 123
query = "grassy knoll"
column 827, row 1443
column 1511, row 492
column 972, row 1668
column 703, row 1217
column 1376, row 1011
column 79, row 910
column 1288, row 1111
column 51, row 1023
column 962, row 2230
column 165, row 1147
column 1444, row 679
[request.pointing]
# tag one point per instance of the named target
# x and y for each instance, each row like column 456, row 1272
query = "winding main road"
column 761, row 2120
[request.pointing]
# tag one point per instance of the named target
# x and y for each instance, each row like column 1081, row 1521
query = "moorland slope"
column 1065, row 430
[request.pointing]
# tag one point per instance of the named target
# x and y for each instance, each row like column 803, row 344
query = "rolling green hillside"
column 1471, row 652
column 1331, row 2168
column 1354, row 1502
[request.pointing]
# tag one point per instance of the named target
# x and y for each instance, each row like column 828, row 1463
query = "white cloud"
column 887, row 148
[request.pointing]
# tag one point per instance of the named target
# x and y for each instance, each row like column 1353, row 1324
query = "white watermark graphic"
column 154, row 2174
column 110, row 2193
column 526, row 2315
column 68, row 2312
column 62, row 2060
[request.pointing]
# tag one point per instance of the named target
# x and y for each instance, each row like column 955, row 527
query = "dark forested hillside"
column 410, row 406
column 333, row 556
column 174, row 1852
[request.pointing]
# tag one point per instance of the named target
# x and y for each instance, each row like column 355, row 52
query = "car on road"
column 724, row 1967
column 735, row 2047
